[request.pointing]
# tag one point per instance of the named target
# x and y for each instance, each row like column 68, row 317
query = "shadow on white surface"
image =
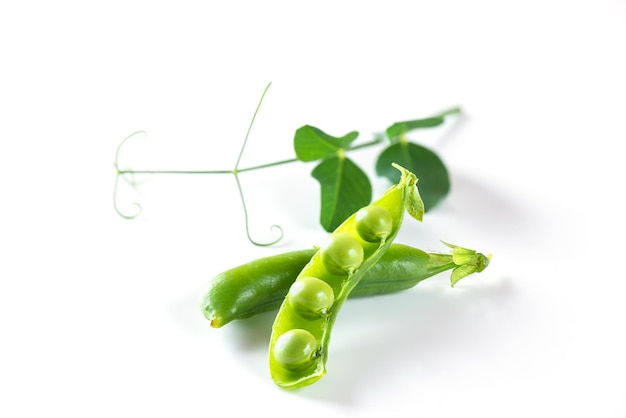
column 186, row 314
column 408, row 337
column 382, row 340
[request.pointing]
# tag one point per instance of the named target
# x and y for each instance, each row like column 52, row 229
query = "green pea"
column 295, row 348
column 311, row 296
column 373, row 223
column 341, row 253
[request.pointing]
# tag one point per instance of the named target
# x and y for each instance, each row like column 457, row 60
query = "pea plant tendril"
column 344, row 186
column 235, row 172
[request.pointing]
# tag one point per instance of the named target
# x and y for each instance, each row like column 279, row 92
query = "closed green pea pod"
column 255, row 287
column 261, row 285
column 403, row 267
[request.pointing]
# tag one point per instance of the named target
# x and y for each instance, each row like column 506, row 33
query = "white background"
column 99, row 315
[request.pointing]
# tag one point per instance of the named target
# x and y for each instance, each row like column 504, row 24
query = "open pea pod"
column 301, row 331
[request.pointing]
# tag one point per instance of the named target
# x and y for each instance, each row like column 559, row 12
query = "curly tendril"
column 116, row 206
column 245, row 216
column 130, row 181
column 128, row 176
column 236, row 174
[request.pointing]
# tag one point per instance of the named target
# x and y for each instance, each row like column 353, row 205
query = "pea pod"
column 300, row 335
column 261, row 285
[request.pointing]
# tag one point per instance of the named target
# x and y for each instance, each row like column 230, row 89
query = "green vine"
column 344, row 186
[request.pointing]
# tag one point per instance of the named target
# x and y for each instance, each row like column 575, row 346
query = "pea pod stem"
column 261, row 285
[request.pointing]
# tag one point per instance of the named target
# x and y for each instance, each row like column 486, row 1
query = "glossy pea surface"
column 295, row 348
column 373, row 223
column 341, row 253
column 311, row 296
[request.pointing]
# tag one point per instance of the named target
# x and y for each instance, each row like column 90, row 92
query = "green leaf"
column 401, row 128
column 434, row 181
column 311, row 143
column 345, row 188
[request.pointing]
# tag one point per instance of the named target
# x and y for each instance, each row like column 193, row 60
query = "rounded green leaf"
column 434, row 181
column 401, row 128
column 311, row 143
column 345, row 188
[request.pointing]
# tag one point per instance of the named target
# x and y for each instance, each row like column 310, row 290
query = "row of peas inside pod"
column 302, row 328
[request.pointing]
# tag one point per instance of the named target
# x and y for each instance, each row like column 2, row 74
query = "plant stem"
column 237, row 170
column 370, row 143
column 120, row 172
column 450, row 112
